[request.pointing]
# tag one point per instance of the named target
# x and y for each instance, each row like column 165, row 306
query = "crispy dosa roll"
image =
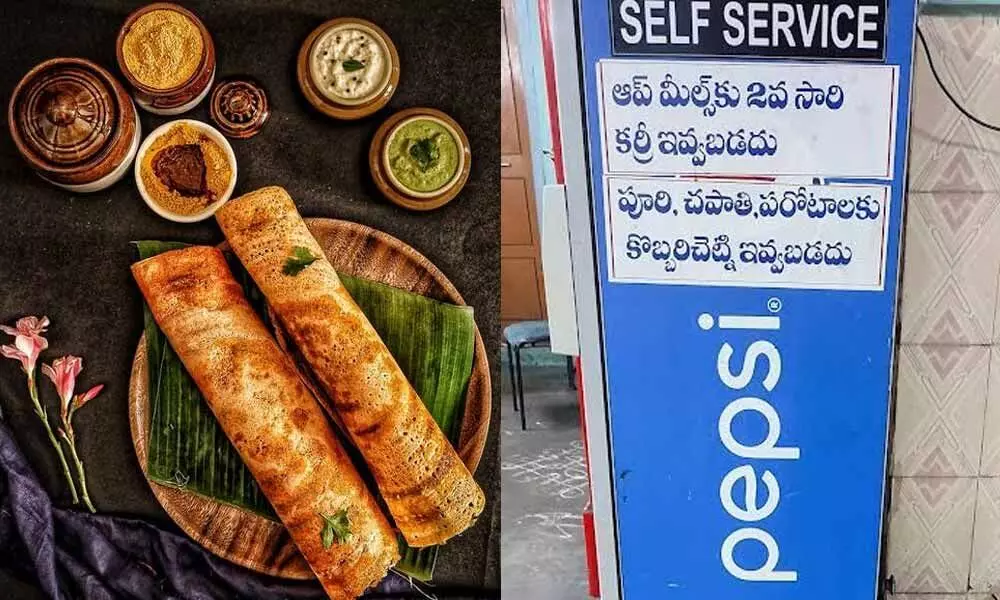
column 277, row 426
column 428, row 489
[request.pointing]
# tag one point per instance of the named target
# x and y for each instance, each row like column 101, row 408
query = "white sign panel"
column 748, row 234
column 730, row 118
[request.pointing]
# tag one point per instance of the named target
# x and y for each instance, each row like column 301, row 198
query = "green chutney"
column 423, row 155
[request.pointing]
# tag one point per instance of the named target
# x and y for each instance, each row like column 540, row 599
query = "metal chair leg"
column 520, row 387
column 513, row 378
column 571, row 372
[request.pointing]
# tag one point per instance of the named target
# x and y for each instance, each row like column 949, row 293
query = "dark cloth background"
column 67, row 256
column 75, row 554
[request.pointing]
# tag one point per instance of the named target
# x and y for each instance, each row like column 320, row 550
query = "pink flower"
column 63, row 374
column 87, row 396
column 27, row 326
column 28, row 342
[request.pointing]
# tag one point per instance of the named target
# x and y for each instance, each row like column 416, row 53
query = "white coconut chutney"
column 350, row 64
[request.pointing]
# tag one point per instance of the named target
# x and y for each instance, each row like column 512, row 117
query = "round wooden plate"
column 258, row 543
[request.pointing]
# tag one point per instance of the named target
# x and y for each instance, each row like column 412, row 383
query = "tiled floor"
column 544, row 487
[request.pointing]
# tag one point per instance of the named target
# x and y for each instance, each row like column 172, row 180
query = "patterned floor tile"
column 951, row 263
column 930, row 534
column 947, row 151
column 940, row 402
column 968, row 58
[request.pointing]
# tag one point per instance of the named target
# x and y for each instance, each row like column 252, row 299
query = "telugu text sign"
column 779, row 119
column 746, row 234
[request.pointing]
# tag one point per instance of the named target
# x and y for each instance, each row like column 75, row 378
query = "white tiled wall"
column 950, row 266
column 940, row 402
column 930, row 533
column 985, row 566
column 944, row 524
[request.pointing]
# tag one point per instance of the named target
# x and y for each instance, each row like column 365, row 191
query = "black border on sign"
column 749, row 57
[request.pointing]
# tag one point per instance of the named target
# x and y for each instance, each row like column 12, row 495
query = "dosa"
column 426, row 486
column 275, row 423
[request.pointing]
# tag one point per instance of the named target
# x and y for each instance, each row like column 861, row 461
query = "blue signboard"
column 748, row 208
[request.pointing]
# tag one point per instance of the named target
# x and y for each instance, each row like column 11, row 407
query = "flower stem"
column 40, row 411
column 71, row 441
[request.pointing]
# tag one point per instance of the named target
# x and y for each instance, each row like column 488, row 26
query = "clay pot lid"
column 64, row 112
column 239, row 107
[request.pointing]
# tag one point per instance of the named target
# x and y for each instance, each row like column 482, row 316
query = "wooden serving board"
column 258, row 543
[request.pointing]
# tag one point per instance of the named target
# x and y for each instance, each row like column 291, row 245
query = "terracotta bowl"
column 346, row 110
column 392, row 189
column 181, row 98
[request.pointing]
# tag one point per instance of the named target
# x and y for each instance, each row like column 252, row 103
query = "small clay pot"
column 74, row 124
column 184, row 97
column 239, row 107
column 346, row 109
column 386, row 181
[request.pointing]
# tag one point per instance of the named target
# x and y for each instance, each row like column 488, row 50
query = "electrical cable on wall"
column 947, row 92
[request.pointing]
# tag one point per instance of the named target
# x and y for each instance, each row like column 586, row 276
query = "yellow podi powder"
column 162, row 49
column 184, row 170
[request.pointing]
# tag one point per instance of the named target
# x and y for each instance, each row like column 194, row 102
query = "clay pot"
column 239, row 107
column 342, row 109
column 74, row 124
column 184, row 97
column 391, row 188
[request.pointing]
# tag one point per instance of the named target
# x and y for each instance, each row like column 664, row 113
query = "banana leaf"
column 432, row 341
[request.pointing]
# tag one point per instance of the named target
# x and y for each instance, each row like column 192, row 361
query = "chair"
column 527, row 334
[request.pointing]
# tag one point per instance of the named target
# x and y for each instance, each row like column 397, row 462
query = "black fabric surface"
column 66, row 256
column 74, row 554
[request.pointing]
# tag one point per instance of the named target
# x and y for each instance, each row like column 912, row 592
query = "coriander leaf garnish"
column 425, row 152
column 336, row 528
column 300, row 259
column 351, row 65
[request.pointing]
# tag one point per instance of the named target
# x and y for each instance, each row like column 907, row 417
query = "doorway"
column 521, row 286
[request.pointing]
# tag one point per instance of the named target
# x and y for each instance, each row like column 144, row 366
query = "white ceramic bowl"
column 216, row 137
column 392, row 176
